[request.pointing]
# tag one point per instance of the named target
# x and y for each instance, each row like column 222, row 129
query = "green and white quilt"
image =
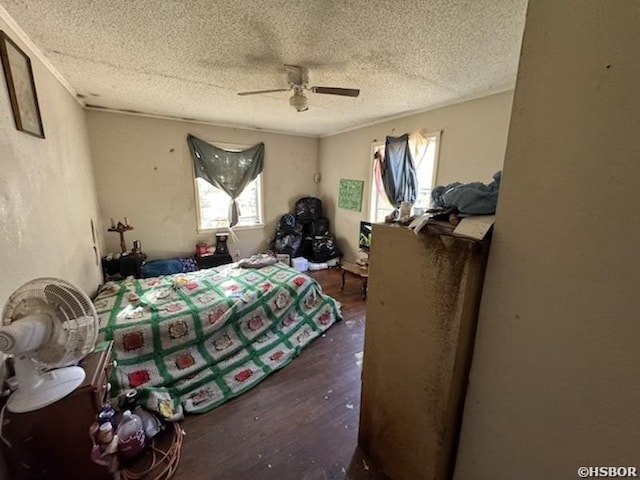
column 213, row 334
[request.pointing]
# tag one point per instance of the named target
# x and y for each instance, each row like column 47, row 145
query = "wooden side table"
column 53, row 442
column 213, row 260
column 124, row 266
column 358, row 271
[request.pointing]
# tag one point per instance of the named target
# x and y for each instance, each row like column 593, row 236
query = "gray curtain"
column 231, row 172
column 398, row 171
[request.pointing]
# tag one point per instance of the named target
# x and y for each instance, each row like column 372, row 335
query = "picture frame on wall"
column 350, row 194
column 21, row 87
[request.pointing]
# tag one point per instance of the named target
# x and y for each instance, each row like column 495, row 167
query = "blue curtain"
column 398, row 172
column 229, row 171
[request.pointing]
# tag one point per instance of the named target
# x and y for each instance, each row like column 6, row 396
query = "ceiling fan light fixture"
column 299, row 102
column 299, row 82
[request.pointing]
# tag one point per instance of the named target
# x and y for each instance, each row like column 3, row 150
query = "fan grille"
column 6, row 341
column 72, row 315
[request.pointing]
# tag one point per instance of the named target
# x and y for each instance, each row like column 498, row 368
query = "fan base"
column 56, row 384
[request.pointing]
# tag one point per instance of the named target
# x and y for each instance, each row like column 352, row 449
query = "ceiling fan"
column 299, row 82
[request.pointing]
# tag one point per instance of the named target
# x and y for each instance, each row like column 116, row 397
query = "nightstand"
column 213, row 260
column 124, row 266
column 53, row 442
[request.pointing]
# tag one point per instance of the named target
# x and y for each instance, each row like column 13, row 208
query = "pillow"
column 189, row 264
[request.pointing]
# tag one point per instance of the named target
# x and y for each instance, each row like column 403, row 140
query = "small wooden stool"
column 358, row 271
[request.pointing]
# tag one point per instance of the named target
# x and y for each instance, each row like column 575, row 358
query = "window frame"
column 259, row 187
column 373, row 198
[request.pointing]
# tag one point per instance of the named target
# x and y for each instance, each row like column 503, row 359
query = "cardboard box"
column 284, row 258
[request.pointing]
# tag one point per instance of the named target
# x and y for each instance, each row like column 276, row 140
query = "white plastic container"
column 131, row 437
column 318, row 266
column 301, row 264
column 333, row 262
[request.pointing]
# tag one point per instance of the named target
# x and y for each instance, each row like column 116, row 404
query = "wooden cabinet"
column 124, row 266
column 424, row 294
column 53, row 443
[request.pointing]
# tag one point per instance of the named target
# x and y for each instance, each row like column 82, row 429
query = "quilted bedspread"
column 210, row 335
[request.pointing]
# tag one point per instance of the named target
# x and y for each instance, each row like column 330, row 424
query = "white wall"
column 555, row 381
column 47, row 193
column 47, row 190
column 143, row 171
column 474, row 135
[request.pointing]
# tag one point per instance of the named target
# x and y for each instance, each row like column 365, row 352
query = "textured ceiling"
column 188, row 59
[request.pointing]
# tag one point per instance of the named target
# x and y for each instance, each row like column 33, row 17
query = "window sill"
column 259, row 226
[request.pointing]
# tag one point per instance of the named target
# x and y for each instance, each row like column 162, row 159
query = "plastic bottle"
column 108, row 415
column 105, row 433
column 131, row 438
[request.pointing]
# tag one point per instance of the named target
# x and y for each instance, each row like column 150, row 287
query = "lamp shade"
column 298, row 101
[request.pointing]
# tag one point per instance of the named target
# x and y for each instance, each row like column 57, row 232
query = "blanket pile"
column 213, row 334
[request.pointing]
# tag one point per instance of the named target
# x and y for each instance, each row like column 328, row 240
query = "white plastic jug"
column 131, row 438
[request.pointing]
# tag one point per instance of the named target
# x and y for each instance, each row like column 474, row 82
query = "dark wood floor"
column 301, row 423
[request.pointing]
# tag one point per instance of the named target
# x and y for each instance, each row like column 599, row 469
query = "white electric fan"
column 47, row 325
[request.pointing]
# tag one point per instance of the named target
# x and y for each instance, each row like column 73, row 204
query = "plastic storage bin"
column 301, row 264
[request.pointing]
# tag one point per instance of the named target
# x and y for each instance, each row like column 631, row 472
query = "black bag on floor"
column 306, row 247
column 307, row 229
column 288, row 237
column 288, row 222
column 324, row 248
column 308, row 209
column 320, row 226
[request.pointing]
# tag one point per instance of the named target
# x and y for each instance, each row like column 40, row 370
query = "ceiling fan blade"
column 345, row 92
column 258, row 92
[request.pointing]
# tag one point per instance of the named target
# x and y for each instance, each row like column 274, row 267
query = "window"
column 212, row 204
column 425, row 153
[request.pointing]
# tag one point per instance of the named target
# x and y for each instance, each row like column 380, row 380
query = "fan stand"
column 37, row 390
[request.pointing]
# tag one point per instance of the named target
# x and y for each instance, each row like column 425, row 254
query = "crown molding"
column 98, row 108
column 436, row 106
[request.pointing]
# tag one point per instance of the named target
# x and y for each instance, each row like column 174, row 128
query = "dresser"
column 53, row 443
column 422, row 307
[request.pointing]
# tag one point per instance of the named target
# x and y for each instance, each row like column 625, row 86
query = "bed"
column 210, row 335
